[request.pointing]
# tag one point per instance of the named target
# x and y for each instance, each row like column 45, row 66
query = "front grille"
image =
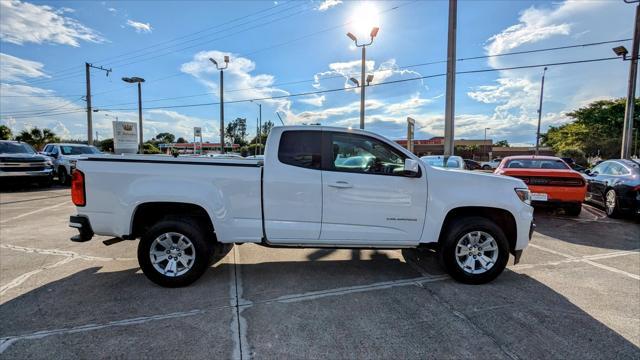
column 551, row 181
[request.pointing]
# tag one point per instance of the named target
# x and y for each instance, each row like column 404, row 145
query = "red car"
column 551, row 181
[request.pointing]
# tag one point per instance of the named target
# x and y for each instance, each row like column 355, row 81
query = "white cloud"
column 328, row 4
column 314, row 100
column 23, row 22
column 16, row 69
column 140, row 26
column 112, row 10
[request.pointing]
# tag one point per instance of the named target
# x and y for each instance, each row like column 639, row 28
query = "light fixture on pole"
column 627, row 128
column 361, row 84
column 139, row 81
column 540, row 112
column 221, row 68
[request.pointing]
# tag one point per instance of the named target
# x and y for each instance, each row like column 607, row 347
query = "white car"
column 490, row 165
column 189, row 212
column 65, row 156
column 454, row 162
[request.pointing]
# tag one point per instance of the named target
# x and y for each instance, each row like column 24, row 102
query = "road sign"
column 197, row 131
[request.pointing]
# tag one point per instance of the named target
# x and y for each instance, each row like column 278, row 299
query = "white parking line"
column 62, row 253
column 24, row 277
column 239, row 323
column 7, row 341
column 66, row 202
column 588, row 259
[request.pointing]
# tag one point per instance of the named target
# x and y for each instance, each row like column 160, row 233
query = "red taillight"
column 77, row 188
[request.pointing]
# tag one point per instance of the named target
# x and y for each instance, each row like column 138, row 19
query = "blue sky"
column 289, row 47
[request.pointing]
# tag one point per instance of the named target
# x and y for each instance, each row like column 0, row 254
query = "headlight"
column 48, row 163
column 524, row 195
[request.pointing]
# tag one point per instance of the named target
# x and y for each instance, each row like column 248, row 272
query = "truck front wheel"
column 474, row 250
column 174, row 253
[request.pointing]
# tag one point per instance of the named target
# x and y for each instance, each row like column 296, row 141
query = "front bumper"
column 22, row 174
column 84, row 227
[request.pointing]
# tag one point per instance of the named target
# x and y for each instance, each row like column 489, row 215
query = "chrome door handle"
column 341, row 185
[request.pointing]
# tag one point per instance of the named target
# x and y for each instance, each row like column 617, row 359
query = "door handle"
column 341, row 185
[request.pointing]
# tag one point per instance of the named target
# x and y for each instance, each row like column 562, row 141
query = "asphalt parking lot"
column 576, row 294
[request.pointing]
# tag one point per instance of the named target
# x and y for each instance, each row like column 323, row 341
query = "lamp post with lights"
column 361, row 84
column 139, row 81
column 221, row 68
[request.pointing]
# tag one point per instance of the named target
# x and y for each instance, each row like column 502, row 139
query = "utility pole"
column 87, row 68
column 484, row 143
column 540, row 112
column 627, row 130
column 449, row 111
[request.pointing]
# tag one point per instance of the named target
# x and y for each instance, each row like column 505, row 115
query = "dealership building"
column 471, row 149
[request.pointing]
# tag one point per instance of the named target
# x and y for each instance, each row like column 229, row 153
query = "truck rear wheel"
column 474, row 250
column 174, row 253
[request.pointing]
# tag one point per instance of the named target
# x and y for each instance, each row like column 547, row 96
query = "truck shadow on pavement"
column 512, row 316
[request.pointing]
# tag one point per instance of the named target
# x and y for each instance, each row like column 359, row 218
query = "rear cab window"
column 301, row 149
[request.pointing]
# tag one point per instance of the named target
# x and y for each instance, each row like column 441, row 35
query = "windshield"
column 78, row 150
column 536, row 164
column 16, row 148
column 439, row 162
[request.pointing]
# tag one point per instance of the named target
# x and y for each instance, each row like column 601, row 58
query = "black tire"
column 573, row 209
column 202, row 249
column 486, row 167
column 459, row 228
column 612, row 211
column 63, row 177
column 219, row 252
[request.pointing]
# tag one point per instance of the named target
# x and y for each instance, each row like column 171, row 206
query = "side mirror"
column 588, row 172
column 411, row 168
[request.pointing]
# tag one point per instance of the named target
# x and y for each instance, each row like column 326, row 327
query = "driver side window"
column 362, row 154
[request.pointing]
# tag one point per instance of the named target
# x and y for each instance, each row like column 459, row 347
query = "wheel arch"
column 148, row 213
column 503, row 218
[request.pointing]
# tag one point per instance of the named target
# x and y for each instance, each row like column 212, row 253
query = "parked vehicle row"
column 615, row 185
column 65, row 157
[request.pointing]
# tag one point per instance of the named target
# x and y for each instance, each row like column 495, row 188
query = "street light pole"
column 226, row 64
column 484, row 143
column 627, row 130
column 139, row 81
column 373, row 34
column 540, row 112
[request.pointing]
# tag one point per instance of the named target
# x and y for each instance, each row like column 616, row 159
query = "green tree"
column 106, row 145
column 165, row 137
column 37, row 138
column 596, row 129
column 266, row 129
column 5, row 133
column 181, row 140
column 236, row 131
column 150, row 148
column 502, row 143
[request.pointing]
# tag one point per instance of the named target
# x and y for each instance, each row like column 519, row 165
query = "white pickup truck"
column 316, row 187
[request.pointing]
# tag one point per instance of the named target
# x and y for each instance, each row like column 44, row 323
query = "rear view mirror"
column 411, row 168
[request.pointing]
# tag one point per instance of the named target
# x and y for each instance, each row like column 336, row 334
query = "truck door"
column 367, row 199
column 292, row 188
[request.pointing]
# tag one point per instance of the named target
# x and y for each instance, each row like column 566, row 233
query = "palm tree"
column 37, row 138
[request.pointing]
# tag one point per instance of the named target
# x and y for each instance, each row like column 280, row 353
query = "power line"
column 343, row 88
column 376, row 84
column 400, row 68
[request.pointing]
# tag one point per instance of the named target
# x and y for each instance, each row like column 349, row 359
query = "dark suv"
column 19, row 163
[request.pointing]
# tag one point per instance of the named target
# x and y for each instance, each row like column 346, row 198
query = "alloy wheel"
column 476, row 252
